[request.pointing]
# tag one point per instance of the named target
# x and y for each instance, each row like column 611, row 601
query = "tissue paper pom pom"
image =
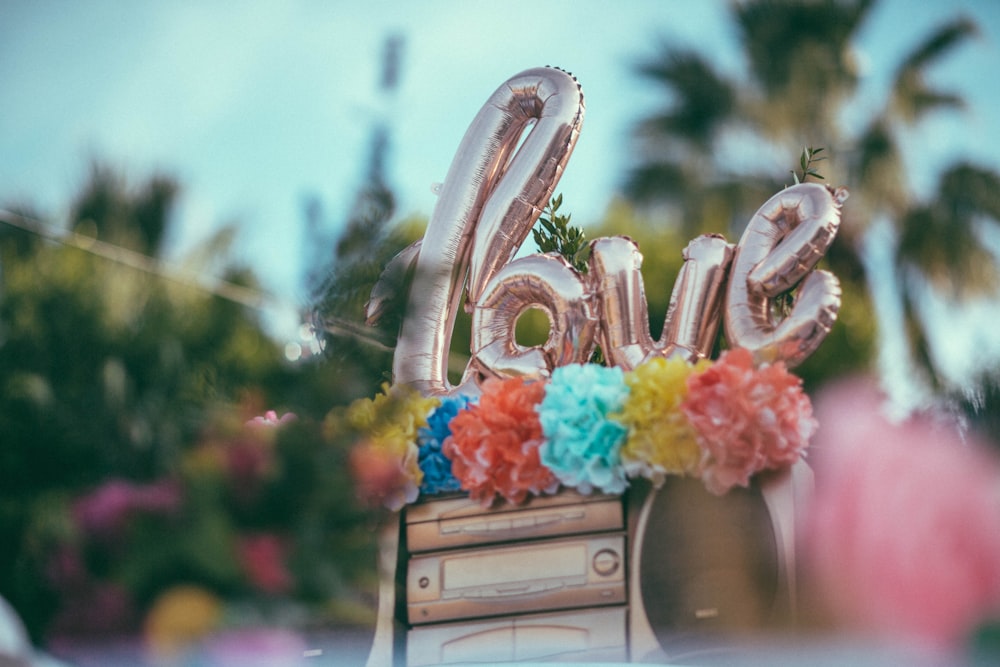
column 436, row 467
column 381, row 476
column 397, row 410
column 387, row 428
column 660, row 440
column 494, row 445
column 746, row 419
column 903, row 535
column 582, row 446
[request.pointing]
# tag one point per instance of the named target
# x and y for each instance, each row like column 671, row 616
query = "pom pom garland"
column 589, row 427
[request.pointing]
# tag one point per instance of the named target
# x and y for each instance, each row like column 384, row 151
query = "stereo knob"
column 606, row 562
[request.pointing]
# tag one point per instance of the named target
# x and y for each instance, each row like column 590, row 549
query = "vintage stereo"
column 669, row 574
column 533, row 581
column 580, row 572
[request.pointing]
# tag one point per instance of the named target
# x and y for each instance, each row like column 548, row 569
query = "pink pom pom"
column 746, row 419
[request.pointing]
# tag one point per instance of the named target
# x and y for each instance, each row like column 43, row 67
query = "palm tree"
column 801, row 71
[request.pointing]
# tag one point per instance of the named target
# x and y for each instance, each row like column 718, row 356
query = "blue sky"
column 255, row 105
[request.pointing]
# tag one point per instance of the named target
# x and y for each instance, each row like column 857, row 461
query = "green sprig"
column 806, row 163
column 556, row 235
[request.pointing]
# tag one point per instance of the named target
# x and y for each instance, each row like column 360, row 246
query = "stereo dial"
column 606, row 562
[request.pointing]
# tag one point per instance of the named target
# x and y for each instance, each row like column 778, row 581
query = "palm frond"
column 941, row 239
column 879, row 166
column 912, row 96
column 941, row 42
column 778, row 35
column 702, row 100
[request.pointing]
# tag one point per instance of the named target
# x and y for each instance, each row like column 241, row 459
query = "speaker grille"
column 709, row 564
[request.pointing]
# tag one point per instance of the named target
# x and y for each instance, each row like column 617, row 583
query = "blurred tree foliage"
column 696, row 159
column 108, row 372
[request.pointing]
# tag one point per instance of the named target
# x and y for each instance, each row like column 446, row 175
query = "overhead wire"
column 250, row 297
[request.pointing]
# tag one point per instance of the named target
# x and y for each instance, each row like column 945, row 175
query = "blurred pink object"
column 255, row 647
column 903, row 538
column 250, row 456
column 248, row 462
column 263, row 559
column 379, row 477
column 271, row 419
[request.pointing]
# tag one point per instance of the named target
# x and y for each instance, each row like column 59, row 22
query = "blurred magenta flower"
column 65, row 569
column 104, row 512
column 248, row 461
column 250, row 457
column 903, row 538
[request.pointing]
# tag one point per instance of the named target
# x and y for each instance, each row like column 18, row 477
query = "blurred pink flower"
column 271, row 419
column 379, row 476
column 248, row 461
column 263, row 559
column 903, row 538
column 746, row 419
column 105, row 510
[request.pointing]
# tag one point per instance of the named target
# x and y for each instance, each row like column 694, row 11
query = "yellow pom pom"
column 660, row 440
column 389, row 423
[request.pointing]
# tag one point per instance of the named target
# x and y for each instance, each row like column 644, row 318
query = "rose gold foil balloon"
column 613, row 270
column 692, row 319
column 695, row 310
column 782, row 243
column 491, row 197
column 553, row 103
column 546, row 282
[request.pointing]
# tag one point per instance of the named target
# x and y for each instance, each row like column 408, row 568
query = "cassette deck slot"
column 461, row 523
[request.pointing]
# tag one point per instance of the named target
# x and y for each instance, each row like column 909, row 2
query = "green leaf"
column 556, row 235
column 807, row 159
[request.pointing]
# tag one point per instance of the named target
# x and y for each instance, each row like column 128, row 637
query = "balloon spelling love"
column 504, row 173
